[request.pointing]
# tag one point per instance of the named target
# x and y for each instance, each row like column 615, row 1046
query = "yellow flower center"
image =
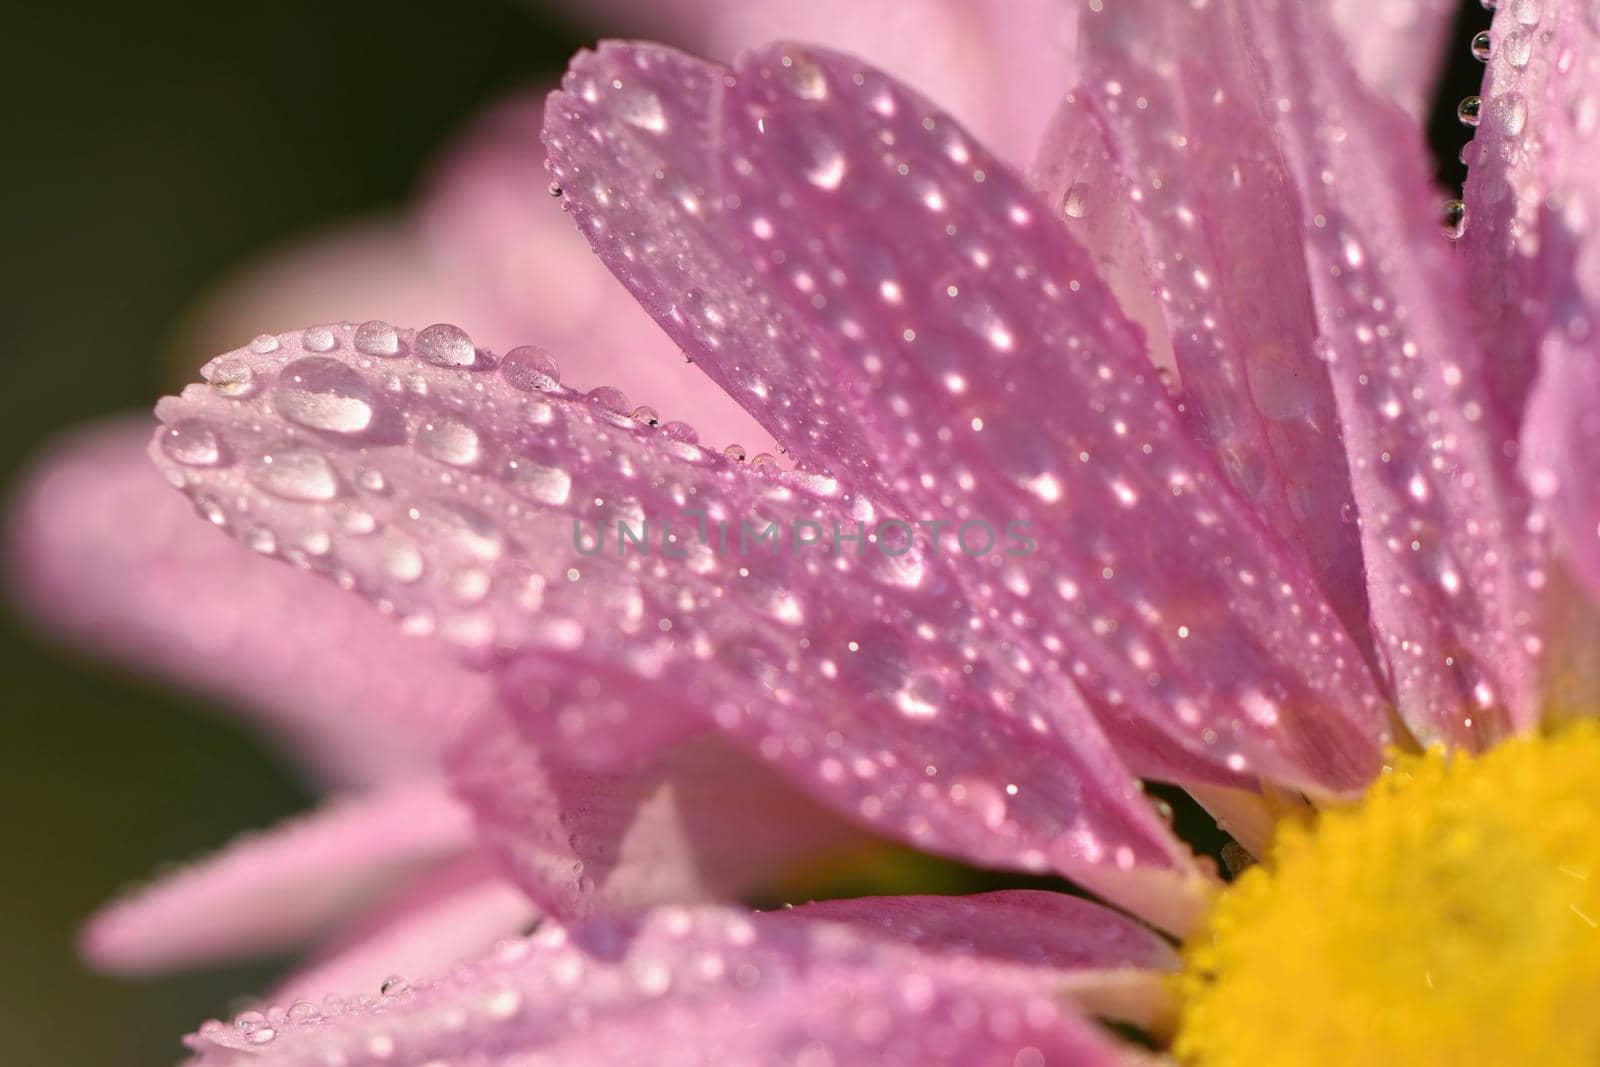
column 1451, row 917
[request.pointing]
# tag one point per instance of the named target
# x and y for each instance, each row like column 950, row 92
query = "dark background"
column 147, row 148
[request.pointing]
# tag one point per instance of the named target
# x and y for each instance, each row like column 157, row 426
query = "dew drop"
column 209, row 510
column 547, row 485
column 295, row 474
column 554, row 189
column 1075, row 204
column 392, row 986
column 401, row 559
column 735, row 453
column 1482, row 47
column 646, row 414
column 1470, row 110
column 229, row 375
column 530, row 368
column 319, row 339
column 445, row 345
column 1516, row 48
column 449, row 441
column 324, row 394
column 263, row 343
column 609, row 399
column 260, row 539
column 372, row 480
column 377, row 338
column 1453, row 220
column 681, row 431
column 192, row 443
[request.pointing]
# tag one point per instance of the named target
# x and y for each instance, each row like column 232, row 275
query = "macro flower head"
column 1302, row 512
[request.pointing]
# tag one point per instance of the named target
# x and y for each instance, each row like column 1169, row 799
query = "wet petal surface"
column 703, row 987
column 464, row 497
column 898, row 309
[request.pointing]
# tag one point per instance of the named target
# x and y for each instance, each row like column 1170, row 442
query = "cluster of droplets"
column 1507, row 112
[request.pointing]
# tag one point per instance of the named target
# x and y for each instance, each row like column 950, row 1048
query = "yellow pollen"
column 1451, row 917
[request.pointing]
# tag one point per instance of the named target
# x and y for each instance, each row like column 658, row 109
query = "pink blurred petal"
column 701, row 821
column 704, row 987
column 457, row 913
column 1168, row 122
column 448, row 491
column 1449, row 564
column 1535, row 265
column 520, row 272
column 897, row 309
column 278, row 888
column 105, row 553
column 1397, row 46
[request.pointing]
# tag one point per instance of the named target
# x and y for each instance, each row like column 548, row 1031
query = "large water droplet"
column 610, row 399
column 377, row 338
column 295, row 474
column 324, row 394
column 1482, row 47
column 192, row 443
column 1470, row 110
column 446, row 346
column 1510, row 113
column 529, row 367
column 1453, row 220
column 449, row 441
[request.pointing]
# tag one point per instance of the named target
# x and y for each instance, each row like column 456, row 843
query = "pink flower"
column 1191, row 597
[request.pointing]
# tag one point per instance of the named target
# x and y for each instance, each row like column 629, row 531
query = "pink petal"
column 449, row 495
column 278, row 888
column 104, row 552
column 701, row 821
column 1397, row 47
column 1449, row 565
column 1169, row 124
column 705, row 987
column 1535, row 268
column 931, row 335
column 1000, row 65
column 457, row 913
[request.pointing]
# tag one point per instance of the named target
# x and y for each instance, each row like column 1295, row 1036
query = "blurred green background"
column 148, row 149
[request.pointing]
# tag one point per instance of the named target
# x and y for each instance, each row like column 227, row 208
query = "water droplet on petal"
column 554, row 189
column 610, row 399
column 449, row 441
column 1470, row 110
column 735, row 453
column 646, row 414
column 1482, row 47
column 263, row 343
column 681, row 431
column 377, row 338
column 392, row 986
column 1453, row 222
column 529, row 367
column 295, row 474
column 547, row 485
column 1510, row 113
column 229, row 375
column 1075, row 204
column 192, row 443
column 445, row 345
column 319, row 339
column 324, row 394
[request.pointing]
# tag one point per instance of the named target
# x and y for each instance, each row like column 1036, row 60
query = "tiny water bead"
column 1470, row 110
column 1451, row 917
column 1453, row 219
column 1482, row 47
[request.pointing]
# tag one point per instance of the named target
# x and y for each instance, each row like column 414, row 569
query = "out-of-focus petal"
column 1397, row 46
column 1532, row 211
column 898, row 309
column 103, row 551
column 1443, row 520
column 271, row 890
column 458, row 491
column 520, row 272
column 998, row 65
column 456, row 914
column 701, row 821
column 1169, row 127
column 705, row 987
